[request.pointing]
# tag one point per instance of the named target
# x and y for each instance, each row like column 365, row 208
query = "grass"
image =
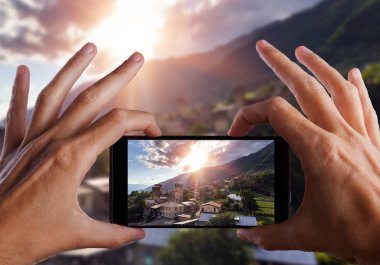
column 265, row 213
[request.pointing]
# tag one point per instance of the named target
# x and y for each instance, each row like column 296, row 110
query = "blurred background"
column 201, row 67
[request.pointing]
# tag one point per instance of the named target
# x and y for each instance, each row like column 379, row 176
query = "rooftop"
column 204, row 217
column 186, row 222
column 170, row 204
column 215, row 204
column 246, row 220
column 188, row 203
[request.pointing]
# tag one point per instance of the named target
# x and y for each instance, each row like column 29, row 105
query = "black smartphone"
column 199, row 181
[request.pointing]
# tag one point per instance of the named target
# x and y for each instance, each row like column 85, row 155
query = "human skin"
column 338, row 144
column 43, row 164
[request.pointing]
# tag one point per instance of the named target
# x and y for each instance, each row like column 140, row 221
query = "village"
column 213, row 205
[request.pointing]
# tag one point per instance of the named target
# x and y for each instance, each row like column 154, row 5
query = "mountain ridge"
column 207, row 77
column 257, row 161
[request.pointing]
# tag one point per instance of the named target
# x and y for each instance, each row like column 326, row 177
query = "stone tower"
column 156, row 192
column 178, row 193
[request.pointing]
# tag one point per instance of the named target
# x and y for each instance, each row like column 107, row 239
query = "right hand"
column 41, row 167
column 338, row 143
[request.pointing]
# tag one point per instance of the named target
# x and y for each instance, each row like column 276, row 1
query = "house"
column 295, row 257
column 234, row 200
column 170, row 209
column 211, row 207
column 190, row 206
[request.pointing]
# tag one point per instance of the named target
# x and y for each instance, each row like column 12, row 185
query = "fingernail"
column 263, row 44
column 20, row 70
column 140, row 235
column 243, row 234
column 87, row 48
column 136, row 57
column 357, row 73
column 304, row 50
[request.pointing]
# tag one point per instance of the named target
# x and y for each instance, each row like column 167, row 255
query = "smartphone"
column 199, row 181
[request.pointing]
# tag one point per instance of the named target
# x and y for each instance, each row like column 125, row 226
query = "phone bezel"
column 118, row 214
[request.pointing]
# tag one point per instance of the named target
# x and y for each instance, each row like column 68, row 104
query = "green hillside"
column 345, row 32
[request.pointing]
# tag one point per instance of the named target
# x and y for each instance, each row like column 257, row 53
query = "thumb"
column 271, row 237
column 105, row 235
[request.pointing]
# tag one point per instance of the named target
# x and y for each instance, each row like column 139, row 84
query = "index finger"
column 111, row 127
column 298, row 131
column 310, row 94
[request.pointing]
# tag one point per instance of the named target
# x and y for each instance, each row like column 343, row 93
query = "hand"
column 338, row 143
column 41, row 167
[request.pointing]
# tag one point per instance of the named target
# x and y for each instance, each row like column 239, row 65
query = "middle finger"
column 309, row 93
column 87, row 105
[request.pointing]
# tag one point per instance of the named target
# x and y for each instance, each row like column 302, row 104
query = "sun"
column 133, row 26
column 197, row 159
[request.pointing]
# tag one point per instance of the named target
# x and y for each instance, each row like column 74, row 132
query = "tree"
column 324, row 259
column 136, row 205
column 371, row 74
column 204, row 247
column 248, row 200
column 223, row 219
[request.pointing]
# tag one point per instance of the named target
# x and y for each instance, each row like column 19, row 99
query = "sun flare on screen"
column 133, row 26
column 195, row 160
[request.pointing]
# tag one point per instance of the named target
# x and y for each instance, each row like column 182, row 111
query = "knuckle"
column 243, row 113
column 277, row 104
column 88, row 96
column 312, row 84
column 44, row 97
column 118, row 115
column 328, row 150
column 64, row 153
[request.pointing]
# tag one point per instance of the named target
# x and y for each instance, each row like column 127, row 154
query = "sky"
column 154, row 161
column 43, row 34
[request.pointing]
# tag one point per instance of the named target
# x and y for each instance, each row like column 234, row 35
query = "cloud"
column 47, row 28
column 198, row 25
column 160, row 153
column 172, row 153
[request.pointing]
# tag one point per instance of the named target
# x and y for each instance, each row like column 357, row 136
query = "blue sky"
column 153, row 161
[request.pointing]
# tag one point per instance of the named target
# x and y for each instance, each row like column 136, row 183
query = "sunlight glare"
column 197, row 159
column 134, row 26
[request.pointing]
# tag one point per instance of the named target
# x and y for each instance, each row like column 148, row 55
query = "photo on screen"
column 217, row 183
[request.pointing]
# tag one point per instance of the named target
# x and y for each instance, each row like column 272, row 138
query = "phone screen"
column 201, row 182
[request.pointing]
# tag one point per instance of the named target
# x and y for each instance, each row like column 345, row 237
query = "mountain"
column 133, row 187
column 258, row 161
column 345, row 32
